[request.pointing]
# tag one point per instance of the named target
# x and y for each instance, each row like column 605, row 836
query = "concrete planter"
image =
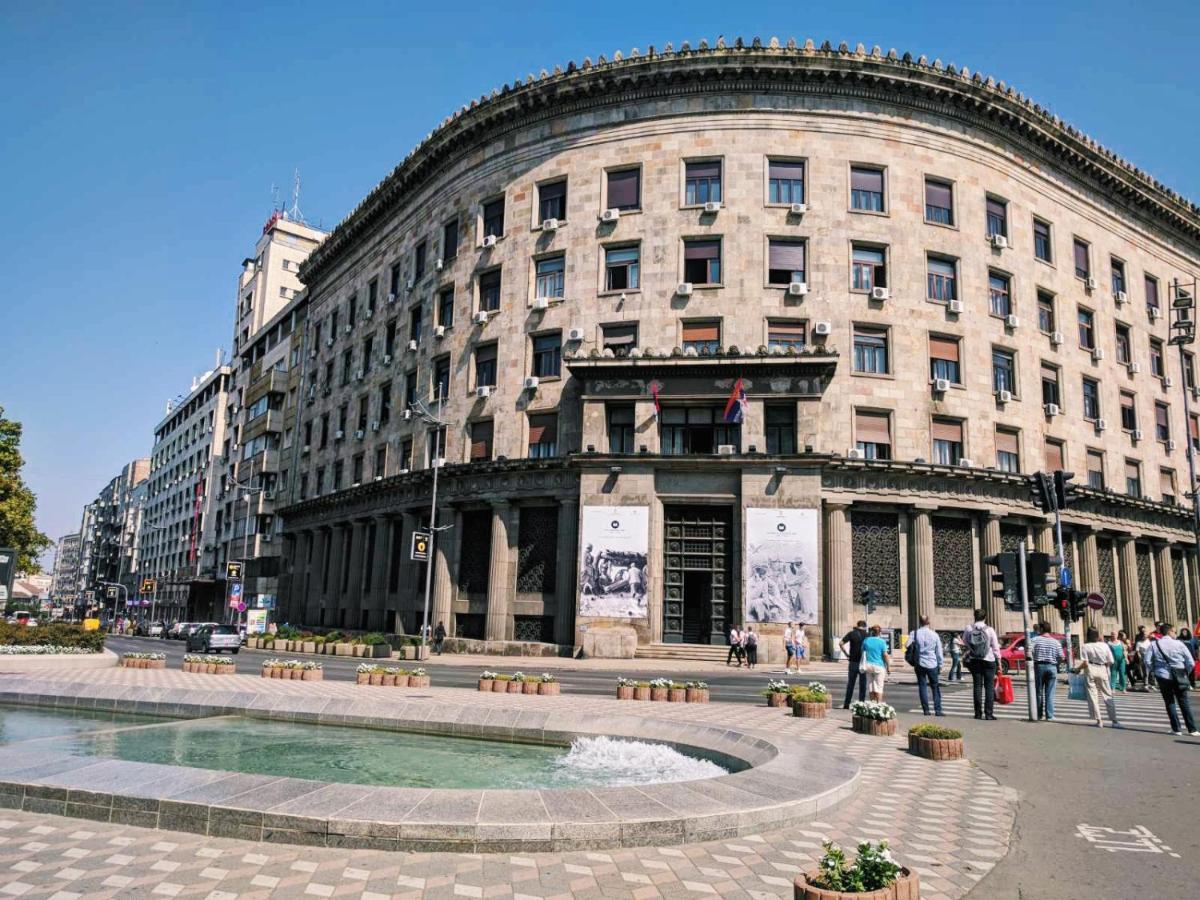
column 697, row 695
column 809, row 710
column 549, row 688
column 362, row 678
column 625, row 692
column 500, row 687
column 875, row 727
column 417, row 681
column 376, row 678
column 777, row 699
column 677, row 695
column 312, row 675
column 403, row 681
column 641, row 693
column 529, row 687
column 379, row 651
column 906, row 887
column 659, row 695
column 308, row 647
column 485, row 684
column 515, row 687
column 343, row 649
column 937, row 749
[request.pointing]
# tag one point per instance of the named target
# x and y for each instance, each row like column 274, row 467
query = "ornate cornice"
column 891, row 77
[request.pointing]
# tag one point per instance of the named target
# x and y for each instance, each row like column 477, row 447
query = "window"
column 489, row 291
column 1157, row 367
column 352, row 310
column 543, row 436
column 1051, row 393
column 389, row 338
column 364, row 410
column 689, row 430
column 1083, row 264
column 1118, row 275
column 621, row 266
column 493, row 218
column 947, row 441
column 347, row 366
column 944, row 358
column 1128, row 411
column 481, row 440
column 414, row 323
column 941, row 277
column 1133, row 478
column 702, row 182
column 868, row 268
column 1095, row 470
column 380, row 461
column 1091, row 399
column 339, row 468
column 435, row 444
column 866, row 189
column 620, row 427
column 785, row 181
column 552, row 201
column 368, row 348
column 547, row 353
column 1124, row 352
column 703, row 337
column 1045, row 307
column 441, row 377
column 1004, row 371
column 406, row 448
column 780, row 419
column 1189, row 371
column 785, row 336
column 1162, row 422
column 485, row 365
column 939, row 202
column 450, row 240
column 1166, row 486
column 550, row 277
column 445, row 308
column 385, row 404
column 1194, row 431
column 410, row 389
column 870, row 350
column 997, row 217
column 1008, row 456
column 1087, row 329
column 999, row 295
column 873, row 434
column 1055, row 455
column 372, row 295
column 702, row 261
column 620, row 339
column 625, row 189
column 394, row 281
column 1041, row 241
column 324, row 431
column 1151, row 292
column 333, row 324
column 785, row 261
column 419, row 256
column 356, row 469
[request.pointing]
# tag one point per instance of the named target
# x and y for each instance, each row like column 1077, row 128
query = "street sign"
column 1095, row 601
column 1064, row 577
column 148, row 586
column 420, row 546
column 235, row 595
column 241, row 607
column 233, row 571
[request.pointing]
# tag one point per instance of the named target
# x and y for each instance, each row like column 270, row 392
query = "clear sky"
column 139, row 143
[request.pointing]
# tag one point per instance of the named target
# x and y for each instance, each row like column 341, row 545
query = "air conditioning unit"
column 406, row 415
column 268, row 495
column 267, row 538
column 823, row 329
column 480, row 318
column 726, row 450
column 999, row 241
column 1051, row 409
column 1170, row 445
column 1137, row 434
column 391, row 297
column 1120, row 297
column 684, row 289
column 484, row 390
column 312, row 354
column 358, row 374
column 1135, row 368
column 339, row 434
column 610, row 215
column 1056, row 338
column 797, row 289
column 531, row 383
column 439, row 264
column 879, row 293
column 367, row 314
column 1089, row 283
column 1097, row 354
column 854, row 453
column 1011, row 321
column 489, row 241
column 1154, row 311
column 1168, row 381
column 359, row 434
column 412, row 346
column 956, row 307
column 966, row 463
column 410, row 284
column 1004, row 396
column 575, row 334
column 540, row 303
column 439, row 331
column 387, row 359
column 549, row 224
column 941, row 385
column 375, row 425
column 304, row 451
column 798, row 209
column 1102, row 425
column 328, row 342
column 712, row 206
column 347, row 328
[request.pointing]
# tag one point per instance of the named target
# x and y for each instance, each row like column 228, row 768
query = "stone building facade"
column 790, row 321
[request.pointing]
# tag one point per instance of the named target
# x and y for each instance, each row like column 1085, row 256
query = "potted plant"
column 873, row 717
column 819, row 689
column 418, row 678
column 776, row 692
column 548, row 685
column 389, row 676
column 625, row 688
column 400, row 677
column 935, row 742
column 873, row 875
column 500, row 684
column 808, row 703
column 312, row 671
column 517, row 684
column 363, row 673
column 696, row 692
column 659, row 689
column 376, row 677
column 529, row 683
column 641, row 690
column 224, row 666
column 676, row 692
column 486, row 680
column 376, row 646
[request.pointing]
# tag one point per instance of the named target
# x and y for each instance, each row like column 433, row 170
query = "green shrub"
column 332, row 637
column 317, row 639
column 807, row 695
column 374, row 638
column 58, row 634
column 937, row 732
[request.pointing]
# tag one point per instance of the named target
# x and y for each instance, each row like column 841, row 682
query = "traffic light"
column 1064, row 491
column 1078, row 605
column 1008, row 578
column 870, row 599
column 1038, row 578
column 1041, row 491
column 1062, row 602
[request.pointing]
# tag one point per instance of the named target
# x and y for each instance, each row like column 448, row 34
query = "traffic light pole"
column 1068, row 626
column 1030, row 688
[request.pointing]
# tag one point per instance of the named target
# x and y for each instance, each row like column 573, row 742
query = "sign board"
column 256, row 621
column 781, row 565
column 149, row 586
column 241, row 607
column 111, row 592
column 420, row 546
column 1064, row 577
column 91, row 624
column 8, row 571
column 235, row 594
column 233, row 571
column 266, row 601
column 1095, row 601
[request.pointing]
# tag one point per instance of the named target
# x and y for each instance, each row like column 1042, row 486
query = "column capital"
column 567, row 502
column 502, row 504
column 831, row 505
column 927, row 508
column 993, row 516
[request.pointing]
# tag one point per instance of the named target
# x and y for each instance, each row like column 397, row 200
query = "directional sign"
column 1095, row 601
column 1064, row 577
column 420, row 546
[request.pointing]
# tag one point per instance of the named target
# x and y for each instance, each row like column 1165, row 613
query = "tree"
column 17, row 503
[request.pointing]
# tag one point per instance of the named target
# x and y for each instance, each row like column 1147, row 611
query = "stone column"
column 921, row 563
column 500, row 572
column 839, row 585
column 1089, row 562
column 990, row 539
column 443, row 568
column 385, row 527
column 1165, row 582
column 333, row 579
column 1130, row 608
column 566, row 577
column 353, row 599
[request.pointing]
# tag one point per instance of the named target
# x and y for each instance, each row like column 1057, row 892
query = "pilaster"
column 839, row 591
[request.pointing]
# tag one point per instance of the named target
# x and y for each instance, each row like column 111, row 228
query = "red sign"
column 1095, row 601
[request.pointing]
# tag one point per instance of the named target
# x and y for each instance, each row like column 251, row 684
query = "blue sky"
column 139, row 143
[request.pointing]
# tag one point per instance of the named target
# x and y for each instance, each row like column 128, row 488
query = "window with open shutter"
column 1054, row 455
column 481, row 440
column 785, row 261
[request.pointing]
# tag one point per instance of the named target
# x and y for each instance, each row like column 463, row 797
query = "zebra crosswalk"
column 1134, row 710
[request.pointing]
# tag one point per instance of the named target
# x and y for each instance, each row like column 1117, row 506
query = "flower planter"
column 624, row 691
column 641, row 693
column 659, row 695
column 677, row 695
column 308, row 647
column 515, row 687
column 777, row 699
column 936, row 748
column 343, row 649
column 312, row 675
column 485, row 684
column 906, row 887
column 404, row 681
column 379, row 651
column 500, row 687
column 697, row 695
column 876, row 727
column 376, row 678
column 210, row 668
column 529, row 687
column 809, row 710
column 418, row 681
column 829, row 701
column 363, row 678
column 551, row 689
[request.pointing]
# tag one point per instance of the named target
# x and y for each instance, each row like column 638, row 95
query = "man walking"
column 439, row 637
column 956, row 652
column 735, row 646
column 983, row 652
column 927, row 658
column 1046, row 654
column 851, row 647
column 1171, row 661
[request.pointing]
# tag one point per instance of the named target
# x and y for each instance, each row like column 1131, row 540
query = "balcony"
column 270, row 421
column 273, row 381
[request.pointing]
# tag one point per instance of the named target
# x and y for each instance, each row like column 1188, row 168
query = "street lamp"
column 435, row 461
column 1183, row 333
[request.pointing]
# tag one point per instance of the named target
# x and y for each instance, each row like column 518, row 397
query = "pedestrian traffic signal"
column 1007, row 578
column 1078, row 605
column 1041, row 490
column 870, row 599
column 1038, row 578
column 1071, row 604
column 1065, row 493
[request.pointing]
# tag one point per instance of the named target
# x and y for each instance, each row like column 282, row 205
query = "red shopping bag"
column 1004, row 689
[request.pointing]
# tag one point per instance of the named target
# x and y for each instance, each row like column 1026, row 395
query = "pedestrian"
column 956, row 655
column 851, row 647
column 439, row 637
column 1170, row 662
column 735, row 646
column 1116, row 644
column 876, row 662
column 1142, row 647
column 1095, row 663
column 800, row 638
column 927, row 657
column 1046, row 653
column 789, row 645
column 750, row 645
column 983, row 651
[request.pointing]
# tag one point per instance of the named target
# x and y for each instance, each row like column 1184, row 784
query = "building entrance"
column 696, row 566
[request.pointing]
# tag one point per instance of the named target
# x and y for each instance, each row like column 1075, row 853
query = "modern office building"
column 730, row 333
column 64, row 590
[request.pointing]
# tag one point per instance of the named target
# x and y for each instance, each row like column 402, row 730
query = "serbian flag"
column 735, row 407
column 654, row 393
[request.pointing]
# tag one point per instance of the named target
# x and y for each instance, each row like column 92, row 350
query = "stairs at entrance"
column 700, row 652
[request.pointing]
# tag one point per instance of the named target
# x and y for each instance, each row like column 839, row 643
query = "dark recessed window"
column 489, row 291
column 621, row 265
column 625, row 189
column 868, row 268
column 1083, row 264
column 485, row 365
column 493, row 218
column 702, row 262
column 870, row 350
column 786, row 335
column 552, row 201
column 550, row 281
column 547, row 355
column 866, row 189
column 944, row 359
column 780, row 421
column 1042, row 247
column 997, row 217
column 450, row 240
column 543, row 436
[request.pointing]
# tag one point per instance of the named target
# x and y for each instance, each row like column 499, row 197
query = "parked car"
column 1012, row 652
column 211, row 638
column 178, row 631
column 154, row 629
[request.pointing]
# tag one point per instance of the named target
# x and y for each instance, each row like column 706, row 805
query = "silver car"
column 215, row 639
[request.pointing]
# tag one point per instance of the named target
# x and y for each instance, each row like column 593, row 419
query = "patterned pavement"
column 948, row 820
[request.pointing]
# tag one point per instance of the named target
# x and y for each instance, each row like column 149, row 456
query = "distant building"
column 64, row 590
column 109, row 536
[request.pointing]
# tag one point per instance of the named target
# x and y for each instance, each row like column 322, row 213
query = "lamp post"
column 435, row 462
column 1183, row 333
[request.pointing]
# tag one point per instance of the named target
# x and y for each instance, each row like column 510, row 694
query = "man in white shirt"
column 1169, row 656
column 929, row 659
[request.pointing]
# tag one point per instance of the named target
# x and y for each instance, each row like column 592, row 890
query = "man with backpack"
column 983, row 654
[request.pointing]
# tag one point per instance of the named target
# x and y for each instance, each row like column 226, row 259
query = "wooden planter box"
column 677, row 695
column 659, row 695
column 312, row 675
column 641, row 693
column 777, row 699
column 485, row 684
column 550, row 689
column 416, row 681
column 529, row 687
column 697, row 695
column 515, row 687
column 624, row 692
column 809, row 710
column 936, row 748
column 876, row 727
column 906, row 887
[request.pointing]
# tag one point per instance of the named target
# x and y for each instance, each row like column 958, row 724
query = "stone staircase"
column 697, row 652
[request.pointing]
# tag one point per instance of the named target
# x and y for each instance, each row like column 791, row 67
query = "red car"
column 1012, row 652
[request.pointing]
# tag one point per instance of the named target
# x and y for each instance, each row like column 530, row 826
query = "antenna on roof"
column 274, row 196
column 294, row 213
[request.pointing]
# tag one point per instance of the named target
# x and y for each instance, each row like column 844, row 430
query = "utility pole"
column 436, row 462
column 1183, row 333
column 1030, row 687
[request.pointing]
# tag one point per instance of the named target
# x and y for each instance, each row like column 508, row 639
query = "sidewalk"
column 619, row 666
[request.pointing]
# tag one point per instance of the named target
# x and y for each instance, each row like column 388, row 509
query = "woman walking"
column 1116, row 646
column 877, row 662
column 789, row 644
column 1095, row 663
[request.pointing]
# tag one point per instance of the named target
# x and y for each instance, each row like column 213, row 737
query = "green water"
column 19, row 723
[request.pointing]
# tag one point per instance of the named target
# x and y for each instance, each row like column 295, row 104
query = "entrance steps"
column 700, row 652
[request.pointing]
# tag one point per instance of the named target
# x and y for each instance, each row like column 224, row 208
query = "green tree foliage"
column 17, row 503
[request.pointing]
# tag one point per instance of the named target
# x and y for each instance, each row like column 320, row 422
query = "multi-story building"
column 730, row 334
column 110, row 539
column 178, row 539
column 64, row 590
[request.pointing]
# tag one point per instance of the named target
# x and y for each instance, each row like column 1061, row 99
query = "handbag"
column 912, row 653
column 1179, row 674
column 1076, row 686
column 1004, row 689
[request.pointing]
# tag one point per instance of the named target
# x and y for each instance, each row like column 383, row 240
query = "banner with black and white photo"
column 781, row 565
column 614, row 545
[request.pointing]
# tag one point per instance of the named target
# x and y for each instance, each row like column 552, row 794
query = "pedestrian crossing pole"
column 1030, row 687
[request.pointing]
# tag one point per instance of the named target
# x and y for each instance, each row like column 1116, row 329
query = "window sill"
column 952, row 226
column 697, row 286
column 695, row 206
column 562, row 223
column 1045, row 262
column 870, row 212
column 617, row 292
column 768, row 286
column 888, row 376
column 548, row 379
